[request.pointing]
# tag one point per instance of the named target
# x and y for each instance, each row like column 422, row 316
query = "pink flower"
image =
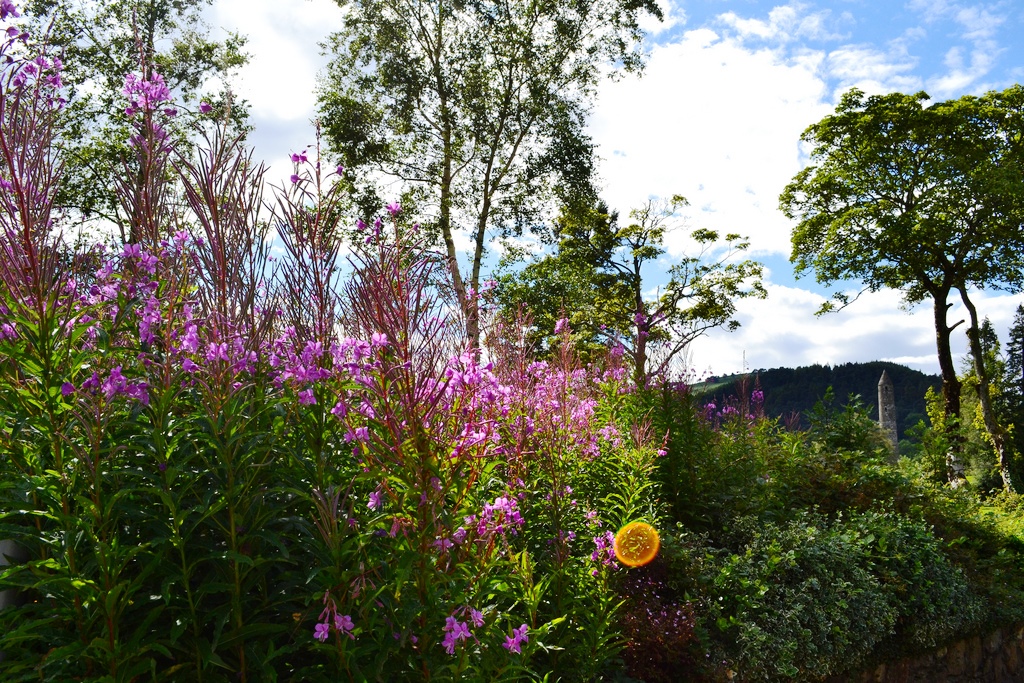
column 359, row 434
column 517, row 638
column 294, row 178
column 115, row 383
column 343, row 622
column 321, row 631
column 455, row 631
column 7, row 8
column 394, row 209
column 449, row 643
column 144, row 94
column 205, row 108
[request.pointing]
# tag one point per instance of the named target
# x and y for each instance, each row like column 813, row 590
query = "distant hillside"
column 789, row 391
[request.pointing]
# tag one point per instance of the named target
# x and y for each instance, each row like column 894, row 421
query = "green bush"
column 795, row 601
column 815, row 597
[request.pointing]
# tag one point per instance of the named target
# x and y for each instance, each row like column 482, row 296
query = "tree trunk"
column 992, row 426
column 473, row 305
column 447, row 177
column 643, row 329
column 950, row 390
column 445, row 223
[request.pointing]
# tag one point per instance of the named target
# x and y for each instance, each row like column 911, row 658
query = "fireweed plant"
column 221, row 466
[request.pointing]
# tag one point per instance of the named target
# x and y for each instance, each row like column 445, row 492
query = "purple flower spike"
column 144, row 95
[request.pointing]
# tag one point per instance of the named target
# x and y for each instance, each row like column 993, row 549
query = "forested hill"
column 796, row 390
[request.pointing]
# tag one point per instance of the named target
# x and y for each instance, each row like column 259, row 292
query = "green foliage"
column 814, row 597
column 789, row 393
column 196, row 492
column 688, row 447
column 920, row 199
column 101, row 42
column 810, row 537
column 862, row 221
column 1014, row 376
column 848, row 428
column 595, row 279
column 797, row 601
column 476, row 109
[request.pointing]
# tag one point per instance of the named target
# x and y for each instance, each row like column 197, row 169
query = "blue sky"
column 717, row 117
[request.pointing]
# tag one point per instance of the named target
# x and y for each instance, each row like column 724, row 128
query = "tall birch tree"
column 476, row 108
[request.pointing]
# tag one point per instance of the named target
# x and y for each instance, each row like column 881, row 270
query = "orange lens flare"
column 636, row 544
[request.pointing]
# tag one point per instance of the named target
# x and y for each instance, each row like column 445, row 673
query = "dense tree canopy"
column 104, row 41
column 599, row 276
column 476, row 109
column 925, row 200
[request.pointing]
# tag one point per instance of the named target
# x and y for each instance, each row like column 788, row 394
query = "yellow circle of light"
column 636, row 544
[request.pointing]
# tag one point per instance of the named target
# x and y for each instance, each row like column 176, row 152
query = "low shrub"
column 815, row 596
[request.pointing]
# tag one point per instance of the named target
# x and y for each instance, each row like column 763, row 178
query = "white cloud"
column 280, row 78
column 978, row 22
column 715, row 122
column 872, row 70
column 961, row 76
column 785, row 23
column 977, row 25
column 782, row 331
column 673, row 15
column 279, row 81
column 931, row 10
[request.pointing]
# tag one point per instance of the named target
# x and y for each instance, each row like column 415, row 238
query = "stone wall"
column 997, row 657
